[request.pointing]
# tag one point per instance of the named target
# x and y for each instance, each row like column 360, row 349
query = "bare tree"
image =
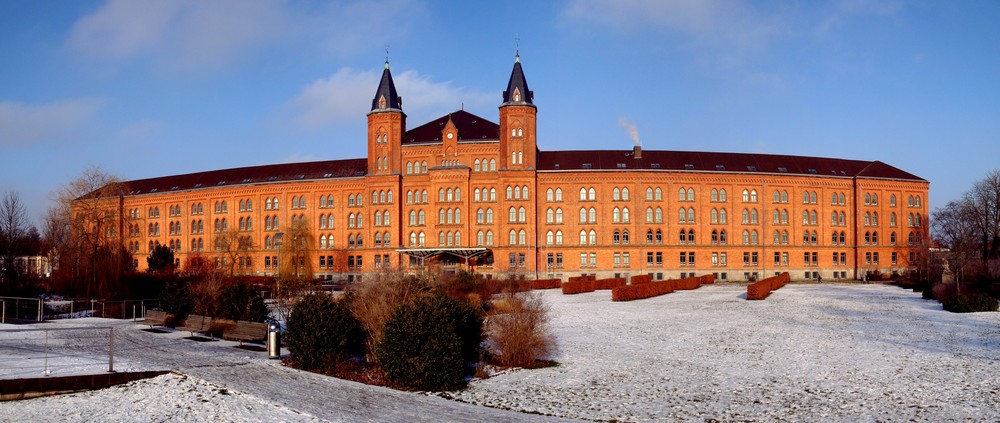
column 970, row 228
column 86, row 227
column 13, row 226
column 295, row 270
column 235, row 247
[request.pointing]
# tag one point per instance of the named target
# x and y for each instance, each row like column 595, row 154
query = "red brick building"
column 461, row 191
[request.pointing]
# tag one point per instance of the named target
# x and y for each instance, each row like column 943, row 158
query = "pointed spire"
column 386, row 96
column 517, row 88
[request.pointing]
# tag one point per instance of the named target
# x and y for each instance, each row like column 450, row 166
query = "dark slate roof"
column 470, row 128
column 717, row 162
column 388, row 90
column 251, row 175
column 518, row 81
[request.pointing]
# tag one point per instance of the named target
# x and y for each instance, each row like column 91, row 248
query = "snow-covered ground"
column 808, row 352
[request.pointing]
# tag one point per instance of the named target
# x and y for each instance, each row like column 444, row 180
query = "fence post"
column 133, row 312
column 40, row 309
column 111, row 350
column 3, row 315
column 71, row 303
column 46, row 352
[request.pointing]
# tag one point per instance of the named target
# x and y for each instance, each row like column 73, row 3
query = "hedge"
column 610, row 283
column 546, row 283
column 645, row 289
column 761, row 289
column 577, row 286
column 640, row 279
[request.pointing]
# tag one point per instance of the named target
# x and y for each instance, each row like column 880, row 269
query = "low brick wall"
column 18, row 389
column 761, row 289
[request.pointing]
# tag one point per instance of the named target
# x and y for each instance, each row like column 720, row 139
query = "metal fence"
column 20, row 309
column 38, row 352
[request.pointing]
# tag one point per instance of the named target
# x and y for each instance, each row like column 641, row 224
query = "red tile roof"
column 717, row 162
column 251, row 175
column 470, row 128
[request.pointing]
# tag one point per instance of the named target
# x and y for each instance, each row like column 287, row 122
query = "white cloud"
column 724, row 23
column 347, row 95
column 24, row 124
column 190, row 34
column 140, row 130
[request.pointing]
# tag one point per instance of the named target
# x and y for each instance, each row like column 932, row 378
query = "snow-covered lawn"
column 807, row 353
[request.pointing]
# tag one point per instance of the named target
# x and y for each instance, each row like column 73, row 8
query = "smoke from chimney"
column 633, row 131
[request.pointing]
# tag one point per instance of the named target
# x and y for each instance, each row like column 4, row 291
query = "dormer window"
column 517, row 95
column 381, row 102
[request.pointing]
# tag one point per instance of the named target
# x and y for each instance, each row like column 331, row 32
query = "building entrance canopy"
column 463, row 253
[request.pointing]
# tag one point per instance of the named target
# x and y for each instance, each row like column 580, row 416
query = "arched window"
column 616, row 194
column 522, row 215
column 591, row 194
column 583, row 194
column 715, row 195
column 559, row 215
column 682, row 215
column 690, row 216
column 592, row 237
column 682, row 194
column 592, row 215
column 558, row 194
column 549, row 195
column 690, row 195
column 616, row 215
column 625, row 217
column 659, row 215
column 649, row 194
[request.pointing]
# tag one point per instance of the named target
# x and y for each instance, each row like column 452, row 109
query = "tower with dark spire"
column 386, row 127
column 518, row 146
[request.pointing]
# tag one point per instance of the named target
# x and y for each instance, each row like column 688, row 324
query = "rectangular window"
column 583, row 259
column 753, row 257
column 722, row 261
column 836, row 259
column 513, row 259
column 715, row 260
column 649, row 259
column 683, row 258
column 550, row 259
column 784, row 259
column 626, row 261
column 659, row 259
column 893, row 258
column 593, row 259
column 777, row 258
column 559, row 261
column 746, row 258
column 618, row 259
column 805, row 258
column 815, row 258
column 868, row 258
column 520, row 259
column 875, row 258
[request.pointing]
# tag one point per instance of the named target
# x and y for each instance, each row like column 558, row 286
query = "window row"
column 517, row 193
column 484, row 194
column 416, row 167
column 483, row 165
column 449, row 216
column 416, row 197
column 450, row 194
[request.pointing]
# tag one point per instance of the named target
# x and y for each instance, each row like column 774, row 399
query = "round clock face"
column 451, row 135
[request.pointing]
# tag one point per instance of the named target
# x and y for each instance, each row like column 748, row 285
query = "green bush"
column 322, row 333
column 430, row 343
column 970, row 303
column 242, row 301
column 176, row 299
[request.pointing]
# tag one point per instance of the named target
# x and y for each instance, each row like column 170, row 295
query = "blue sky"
column 148, row 89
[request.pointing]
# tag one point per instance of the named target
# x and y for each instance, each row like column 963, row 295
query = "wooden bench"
column 196, row 324
column 245, row 331
column 155, row 318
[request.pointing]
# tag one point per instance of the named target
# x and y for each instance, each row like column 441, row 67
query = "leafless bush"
column 376, row 297
column 517, row 330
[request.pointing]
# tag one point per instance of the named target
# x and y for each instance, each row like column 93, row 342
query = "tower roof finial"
column 517, row 48
column 387, row 56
